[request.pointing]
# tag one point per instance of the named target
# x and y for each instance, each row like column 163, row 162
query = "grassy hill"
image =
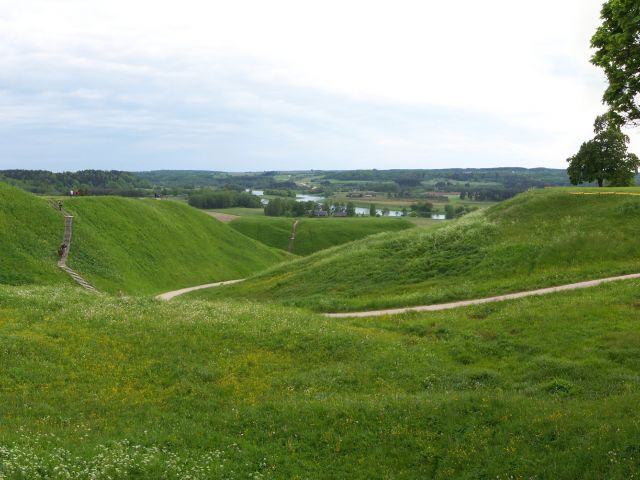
column 314, row 234
column 149, row 246
column 104, row 387
column 540, row 238
column 30, row 234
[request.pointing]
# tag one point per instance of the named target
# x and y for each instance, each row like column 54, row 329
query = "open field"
column 538, row 239
column 148, row 246
column 314, row 234
column 123, row 388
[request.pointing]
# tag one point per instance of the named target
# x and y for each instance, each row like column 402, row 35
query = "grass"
column 146, row 246
column 30, row 234
column 538, row 239
column 314, row 234
column 241, row 211
column 104, row 387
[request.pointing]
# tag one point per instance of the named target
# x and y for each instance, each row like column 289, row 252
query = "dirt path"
column 223, row 217
column 293, row 236
column 499, row 298
column 182, row 291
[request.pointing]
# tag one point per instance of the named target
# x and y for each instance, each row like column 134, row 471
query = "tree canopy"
column 605, row 157
column 617, row 44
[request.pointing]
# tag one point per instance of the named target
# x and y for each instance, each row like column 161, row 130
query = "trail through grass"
column 538, row 239
column 543, row 388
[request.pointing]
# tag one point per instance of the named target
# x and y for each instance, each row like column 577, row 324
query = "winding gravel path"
column 436, row 307
column 293, row 236
column 499, row 298
column 182, row 291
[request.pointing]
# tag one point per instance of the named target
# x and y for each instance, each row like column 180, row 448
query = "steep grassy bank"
column 148, row 246
column 99, row 387
column 30, row 234
column 540, row 238
column 314, row 234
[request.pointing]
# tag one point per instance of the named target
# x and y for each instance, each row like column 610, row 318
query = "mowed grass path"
column 148, row 246
column 538, row 239
column 314, row 234
column 543, row 388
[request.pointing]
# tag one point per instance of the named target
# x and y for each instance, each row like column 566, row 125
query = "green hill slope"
column 540, row 238
column 102, row 387
column 30, row 234
column 148, row 246
column 314, row 234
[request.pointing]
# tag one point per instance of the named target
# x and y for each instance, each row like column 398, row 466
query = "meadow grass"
column 30, row 234
column 314, row 234
column 149, row 246
column 537, row 239
column 241, row 211
column 103, row 387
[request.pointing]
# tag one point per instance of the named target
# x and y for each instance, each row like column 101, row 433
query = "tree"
column 449, row 212
column 351, row 209
column 617, row 44
column 372, row 210
column 604, row 157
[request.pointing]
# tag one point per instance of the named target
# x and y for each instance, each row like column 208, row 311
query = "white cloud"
column 284, row 76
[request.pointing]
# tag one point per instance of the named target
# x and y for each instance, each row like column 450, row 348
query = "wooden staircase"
column 64, row 253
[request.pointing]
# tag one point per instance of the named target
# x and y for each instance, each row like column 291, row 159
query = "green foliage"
column 101, row 387
column 314, row 234
column 604, row 158
column 149, row 246
column 617, row 44
column 207, row 198
column 30, row 234
column 280, row 193
column 540, row 238
column 281, row 207
column 87, row 182
column 423, row 209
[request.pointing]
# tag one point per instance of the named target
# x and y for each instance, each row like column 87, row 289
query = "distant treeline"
column 510, row 178
column 207, row 198
column 488, row 195
column 283, row 207
column 195, row 179
column 85, row 182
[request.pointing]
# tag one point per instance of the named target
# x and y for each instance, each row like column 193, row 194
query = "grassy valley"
column 314, row 234
column 540, row 238
column 226, row 383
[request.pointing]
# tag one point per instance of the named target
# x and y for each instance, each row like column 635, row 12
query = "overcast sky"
column 258, row 85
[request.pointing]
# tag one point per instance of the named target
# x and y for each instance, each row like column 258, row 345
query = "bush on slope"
column 540, row 238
